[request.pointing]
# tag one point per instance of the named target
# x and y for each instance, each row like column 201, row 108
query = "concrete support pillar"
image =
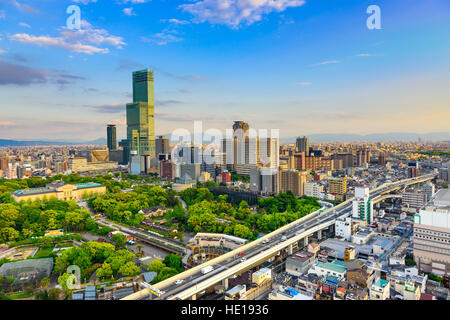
column 290, row 249
column 194, row 297
column 319, row 235
column 225, row 284
column 306, row 241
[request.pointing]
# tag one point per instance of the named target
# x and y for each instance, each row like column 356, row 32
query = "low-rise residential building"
column 299, row 262
column 411, row 291
column 335, row 268
column 359, row 273
column 344, row 228
column 380, row 290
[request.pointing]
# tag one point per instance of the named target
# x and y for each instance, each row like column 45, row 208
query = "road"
column 258, row 250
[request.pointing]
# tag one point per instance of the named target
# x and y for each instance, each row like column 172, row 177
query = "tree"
column 45, row 282
column 105, row 272
column 140, row 252
column 156, row 266
column 66, row 281
column 119, row 240
column 242, row 231
column 164, row 274
column 54, row 294
column 8, row 234
column 129, row 269
column 173, row 261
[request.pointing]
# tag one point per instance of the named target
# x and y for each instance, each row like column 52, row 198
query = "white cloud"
column 128, row 12
column 2, row 51
column 304, row 83
column 2, row 14
column 164, row 37
column 24, row 7
column 236, row 12
column 365, row 55
column 57, row 42
column 87, row 40
column 325, row 62
column 23, row 24
column 84, row 1
column 175, row 21
column 135, row 1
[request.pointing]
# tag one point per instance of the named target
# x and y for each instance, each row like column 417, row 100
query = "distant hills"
column 375, row 137
column 20, row 143
column 324, row 137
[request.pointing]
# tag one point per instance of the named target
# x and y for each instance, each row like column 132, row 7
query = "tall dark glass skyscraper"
column 111, row 136
column 141, row 114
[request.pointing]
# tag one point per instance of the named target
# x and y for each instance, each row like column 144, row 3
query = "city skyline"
column 307, row 68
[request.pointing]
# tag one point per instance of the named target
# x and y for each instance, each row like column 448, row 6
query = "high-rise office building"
column 292, row 180
column 302, row 145
column 412, row 169
column 141, row 115
column 382, row 159
column 362, row 156
column 240, row 129
column 242, row 152
column 125, row 144
column 162, row 145
column 444, row 174
column 430, row 240
column 265, row 180
column 111, row 133
column 4, row 164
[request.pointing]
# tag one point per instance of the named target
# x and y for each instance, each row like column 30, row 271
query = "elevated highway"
column 262, row 249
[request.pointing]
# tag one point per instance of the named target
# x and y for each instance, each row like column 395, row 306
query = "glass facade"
column 141, row 114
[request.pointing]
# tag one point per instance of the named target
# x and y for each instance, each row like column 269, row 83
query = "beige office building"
column 294, row 181
column 432, row 235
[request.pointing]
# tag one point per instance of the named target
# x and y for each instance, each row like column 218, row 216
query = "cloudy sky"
column 302, row 67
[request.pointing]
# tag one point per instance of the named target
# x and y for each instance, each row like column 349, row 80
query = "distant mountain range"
column 20, row 143
column 325, row 137
column 374, row 137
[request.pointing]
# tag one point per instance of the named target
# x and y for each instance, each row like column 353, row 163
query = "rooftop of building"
column 336, row 266
column 381, row 283
column 442, row 199
column 301, row 256
column 235, row 290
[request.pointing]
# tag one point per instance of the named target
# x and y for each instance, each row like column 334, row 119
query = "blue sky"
column 302, row 67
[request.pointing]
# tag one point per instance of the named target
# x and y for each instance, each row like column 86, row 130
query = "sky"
column 303, row 67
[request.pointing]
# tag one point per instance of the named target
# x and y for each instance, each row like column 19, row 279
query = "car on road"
column 243, row 259
column 241, row 253
column 179, row 281
column 283, row 238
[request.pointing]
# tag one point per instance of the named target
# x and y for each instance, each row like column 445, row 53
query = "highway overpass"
column 260, row 250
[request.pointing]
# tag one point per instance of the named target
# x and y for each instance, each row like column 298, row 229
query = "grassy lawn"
column 43, row 252
column 19, row 296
